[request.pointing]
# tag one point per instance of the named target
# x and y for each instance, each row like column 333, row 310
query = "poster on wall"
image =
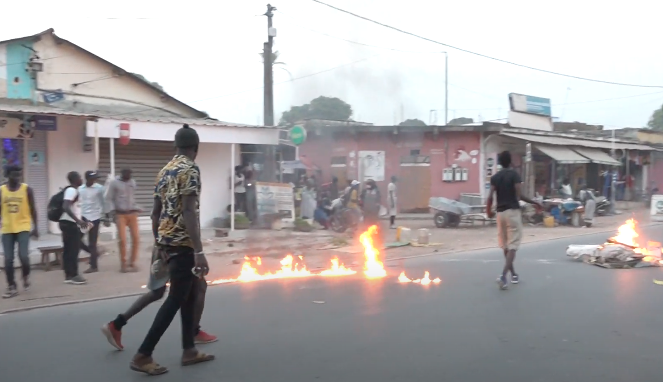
column 36, row 158
column 274, row 198
column 15, row 128
column 371, row 165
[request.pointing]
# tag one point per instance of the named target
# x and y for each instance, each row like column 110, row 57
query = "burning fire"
column 294, row 267
column 424, row 281
column 373, row 268
column 627, row 235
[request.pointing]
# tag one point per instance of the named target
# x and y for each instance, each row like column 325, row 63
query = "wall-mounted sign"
column 14, row 128
column 529, row 104
column 125, row 133
column 297, row 135
column 52, row 97
column 43, row 123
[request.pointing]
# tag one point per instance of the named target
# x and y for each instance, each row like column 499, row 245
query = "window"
column 414, row 153
column 415, row 159
column 339, row 161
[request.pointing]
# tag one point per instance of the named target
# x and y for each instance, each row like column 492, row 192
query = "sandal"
column 200, row 357
column 151, row 368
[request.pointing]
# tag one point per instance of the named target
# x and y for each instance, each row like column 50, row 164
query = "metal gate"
column 37, row 171
column 144, row 158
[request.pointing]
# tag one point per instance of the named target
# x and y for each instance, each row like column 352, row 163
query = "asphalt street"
column 566, row 321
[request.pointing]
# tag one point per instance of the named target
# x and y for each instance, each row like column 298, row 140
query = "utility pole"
column 270, row 168
column 446, row 88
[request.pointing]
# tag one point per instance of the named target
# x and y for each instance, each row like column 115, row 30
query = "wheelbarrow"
column 451, row 213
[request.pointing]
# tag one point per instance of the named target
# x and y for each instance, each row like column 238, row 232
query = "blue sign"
column 537, row 105
column 44, row 123
column 51, row 97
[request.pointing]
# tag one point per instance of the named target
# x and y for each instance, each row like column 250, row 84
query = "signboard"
column 273, row 198
column 297, row 135
column 15, row 128
column 530, row 104
column 44, row 122
column 52, row 97
column 656, row 208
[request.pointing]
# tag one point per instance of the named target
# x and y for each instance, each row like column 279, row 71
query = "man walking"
column 506, row 185
column 19, row 216
column 71, row 225
column 92, row 209
column 175, row 220
column 121, row 197
column 392, row 199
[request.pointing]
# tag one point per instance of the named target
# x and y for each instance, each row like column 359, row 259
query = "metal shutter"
column 144, row 158
column 38, row 178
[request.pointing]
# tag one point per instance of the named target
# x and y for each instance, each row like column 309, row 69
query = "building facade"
column 64, row 106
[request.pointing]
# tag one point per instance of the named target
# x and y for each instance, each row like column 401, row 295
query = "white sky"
column 206, row 54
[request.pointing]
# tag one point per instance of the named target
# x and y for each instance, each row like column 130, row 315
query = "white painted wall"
column 65, row 153
column 65, row 65
column 214, row 162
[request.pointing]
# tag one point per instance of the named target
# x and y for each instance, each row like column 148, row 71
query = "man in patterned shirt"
column 175, row 220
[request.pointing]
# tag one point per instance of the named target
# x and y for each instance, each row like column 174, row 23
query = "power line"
column 483, row 55
column 261, row 87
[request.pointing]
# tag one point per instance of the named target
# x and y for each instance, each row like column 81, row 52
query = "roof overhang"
column 42, row 110
column 557, row 140
column 562, row 154
column 165, row 131
column 597, row 156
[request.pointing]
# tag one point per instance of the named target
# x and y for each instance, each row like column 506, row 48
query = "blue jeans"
column 9, row 241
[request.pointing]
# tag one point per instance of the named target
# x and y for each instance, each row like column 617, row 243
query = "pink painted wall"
column 444, row 151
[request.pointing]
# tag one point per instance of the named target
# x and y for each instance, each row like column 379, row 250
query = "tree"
column 276, row 62
column 656, row 120
column 412, row 122
column 319, row 108
column 461, row 121
column 155, row 84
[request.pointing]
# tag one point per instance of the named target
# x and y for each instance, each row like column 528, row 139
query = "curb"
column 492, row 246
column 17, row 310
column 64, row 303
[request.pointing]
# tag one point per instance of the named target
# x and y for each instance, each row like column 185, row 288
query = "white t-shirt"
column 239, row 189
column 71, row 194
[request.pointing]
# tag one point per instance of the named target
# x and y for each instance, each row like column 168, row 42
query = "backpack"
column 56, row 206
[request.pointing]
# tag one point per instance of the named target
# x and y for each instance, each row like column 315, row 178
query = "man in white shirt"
column 392, row 202
column 71, row 225
column 92, row 210
column 240, row 190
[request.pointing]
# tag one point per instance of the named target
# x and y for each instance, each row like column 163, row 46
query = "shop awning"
column 562, row 154
column 566, row 141
column 597, row 156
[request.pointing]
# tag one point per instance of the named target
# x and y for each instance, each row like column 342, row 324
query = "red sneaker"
column 113, row 335
column 204, row 338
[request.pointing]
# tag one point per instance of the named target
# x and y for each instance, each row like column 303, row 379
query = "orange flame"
column 373, row 268
column 337, row 269
column 425, row 281
column 627, row 234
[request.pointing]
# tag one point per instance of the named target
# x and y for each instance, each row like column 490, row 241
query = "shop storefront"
column 150, row 146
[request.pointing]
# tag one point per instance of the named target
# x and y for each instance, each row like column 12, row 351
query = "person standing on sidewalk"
column 72, row 225
column 240, row 190
column 19, row 217
column 392, row 199
column 121, row 196
column 92, row 207
column 176, row 220
column 506, row 186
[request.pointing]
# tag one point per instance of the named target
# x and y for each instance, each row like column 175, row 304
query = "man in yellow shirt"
column 17, row 209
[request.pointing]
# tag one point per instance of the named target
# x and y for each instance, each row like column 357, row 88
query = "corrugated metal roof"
column 561, row 154
column 180, row 121
column 568, row 141
column 38, row 109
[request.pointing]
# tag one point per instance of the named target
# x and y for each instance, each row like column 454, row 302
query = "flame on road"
column 423, row 281
column 373, row 267
column 337, row 269
column 627, row 234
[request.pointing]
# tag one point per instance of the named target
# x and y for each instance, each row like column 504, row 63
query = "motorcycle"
column 340, row 217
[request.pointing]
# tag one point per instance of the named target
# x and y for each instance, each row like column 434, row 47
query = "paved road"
column 564, row 322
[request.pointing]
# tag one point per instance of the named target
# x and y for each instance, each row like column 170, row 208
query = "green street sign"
column 297, row 135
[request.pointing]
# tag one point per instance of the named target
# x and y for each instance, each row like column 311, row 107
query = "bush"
column 302, row 225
